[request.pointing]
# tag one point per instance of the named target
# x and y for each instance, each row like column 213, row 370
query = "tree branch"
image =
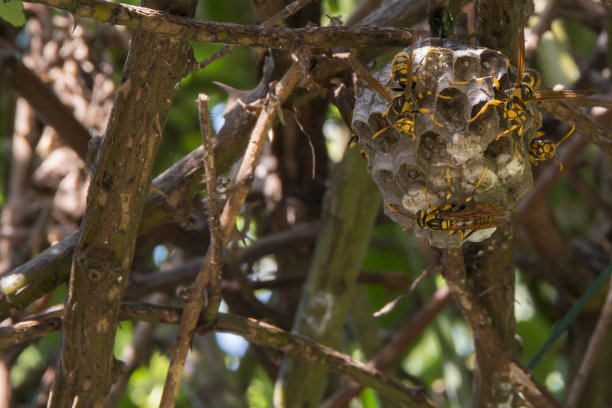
column 348, row 221
column 189, row 29
column 294, row 345
column 236, row 198
column 488, row 339
column 396, row 346
column 117, row 193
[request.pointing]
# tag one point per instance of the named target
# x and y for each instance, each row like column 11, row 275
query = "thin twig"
column 591, row 352
column 227, row 223
column 276, row 19
column 214, row 211
column 208, row 275
column 255, row 331
column 245, row 175
column 391, row 305
column 288, row 11
column 286, row 38
column 302, row 348
column 395, row 348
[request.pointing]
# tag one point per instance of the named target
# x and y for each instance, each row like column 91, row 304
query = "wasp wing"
column 480, row 217
column 567, row 94
column 364, row 74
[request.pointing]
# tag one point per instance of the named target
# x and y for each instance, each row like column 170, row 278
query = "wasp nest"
column 445, row 161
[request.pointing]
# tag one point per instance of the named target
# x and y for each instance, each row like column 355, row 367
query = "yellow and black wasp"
column 542, row 149
column 354, row 141
column 458, row 218
column 517, row 98
column 403, row 103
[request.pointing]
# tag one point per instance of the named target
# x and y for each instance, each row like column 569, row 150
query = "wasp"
column 525, row 90
column 354, row 141
column 544, row 149
column 403, row 102
column 458, row 218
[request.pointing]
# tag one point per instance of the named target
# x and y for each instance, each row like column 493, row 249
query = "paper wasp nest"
column 402, row 167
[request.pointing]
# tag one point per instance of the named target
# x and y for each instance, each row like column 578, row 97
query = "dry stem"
column 221, row 235
column 191, row 29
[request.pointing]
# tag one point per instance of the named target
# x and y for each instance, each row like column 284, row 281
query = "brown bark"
column 119, row 188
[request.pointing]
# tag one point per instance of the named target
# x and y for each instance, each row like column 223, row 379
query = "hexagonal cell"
column 408, row 170
column 452, row 109
column 492, row 62
column 466, row 66
column 449, row 91
column 439, row 61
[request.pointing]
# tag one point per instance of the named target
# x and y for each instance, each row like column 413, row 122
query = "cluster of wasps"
column 514, row 101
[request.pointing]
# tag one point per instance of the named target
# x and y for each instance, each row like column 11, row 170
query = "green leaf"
column 13, row 12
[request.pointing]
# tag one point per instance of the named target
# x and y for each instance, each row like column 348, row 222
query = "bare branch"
column 398, row 344
column 190, row 29
column 213, row 261
column 254, row 331
column 117, row 193
column 277, row 19
column 236, row 198
column 488, row 338
column 209, row 273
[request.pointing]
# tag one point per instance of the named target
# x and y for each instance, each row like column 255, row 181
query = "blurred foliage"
column 12, row 12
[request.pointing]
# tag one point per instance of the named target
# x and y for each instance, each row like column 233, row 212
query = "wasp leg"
column 559, row 160
column 423, row 110
column 492, row 78
column 448, row 196
column 471, row 196
column 516, row 150
column 381, row 131
column 485, row 107
column 466, row 236
column 510, row 129
column 395, row 210
column 386, row 112
column 426, row 197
